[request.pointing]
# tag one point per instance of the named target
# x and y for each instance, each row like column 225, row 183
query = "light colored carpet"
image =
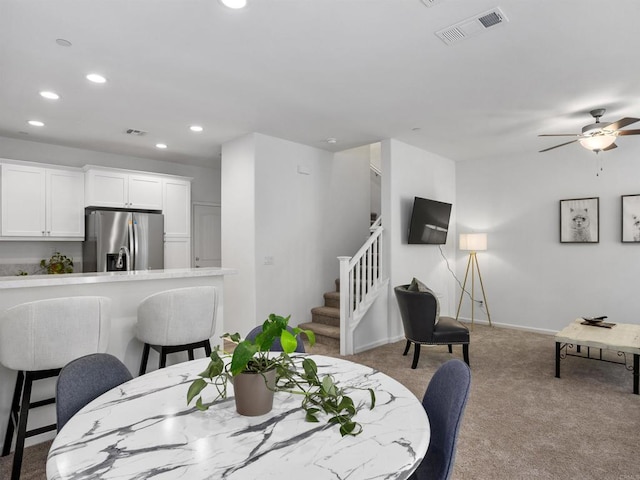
column 521, row 422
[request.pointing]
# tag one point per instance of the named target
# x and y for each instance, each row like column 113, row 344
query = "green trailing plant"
column 296, row 374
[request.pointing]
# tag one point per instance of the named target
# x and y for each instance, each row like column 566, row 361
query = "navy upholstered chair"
column 177, row 320
column 423, row 324
column 84, row 380
column 277, row 346
column 444, row 401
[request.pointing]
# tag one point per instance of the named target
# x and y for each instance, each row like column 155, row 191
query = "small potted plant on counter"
column 257, row 373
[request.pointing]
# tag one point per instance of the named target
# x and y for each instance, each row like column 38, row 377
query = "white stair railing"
column 360, row 279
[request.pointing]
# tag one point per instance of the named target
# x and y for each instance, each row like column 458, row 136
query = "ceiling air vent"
column 133, row 131
column 472, row 26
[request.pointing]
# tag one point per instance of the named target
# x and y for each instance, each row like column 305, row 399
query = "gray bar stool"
column 176, row 320
column 37, row 339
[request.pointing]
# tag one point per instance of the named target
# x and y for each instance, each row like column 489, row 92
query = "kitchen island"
column 126, row 289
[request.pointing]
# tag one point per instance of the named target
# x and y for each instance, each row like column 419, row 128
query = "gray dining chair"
column 444, row 401
column 84, row 380
column 277, row 345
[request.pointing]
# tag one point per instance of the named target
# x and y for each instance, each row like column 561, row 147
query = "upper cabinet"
column 110, row 188
column 41, row 202
column 177, row 207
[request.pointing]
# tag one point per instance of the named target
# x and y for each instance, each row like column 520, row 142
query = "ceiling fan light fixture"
column 235, row 4
column 597, row 143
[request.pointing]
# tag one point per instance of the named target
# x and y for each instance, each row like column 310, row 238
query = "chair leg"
column 207, row 347
column 450, row 349
column 465, row 353
column 145, row 359
column 416, row 355
column 163, row 358
column 13, row 414
column 406, row 349
column 22, row 427
column 190, row 353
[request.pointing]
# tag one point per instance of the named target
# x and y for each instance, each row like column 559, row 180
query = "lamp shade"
column 597, row 142
column 474, row 242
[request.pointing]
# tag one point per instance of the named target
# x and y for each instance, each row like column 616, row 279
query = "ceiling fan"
column 597, row 136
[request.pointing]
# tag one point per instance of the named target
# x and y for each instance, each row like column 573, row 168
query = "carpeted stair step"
column 325, row 334
column 326, row 315
column 332, row 299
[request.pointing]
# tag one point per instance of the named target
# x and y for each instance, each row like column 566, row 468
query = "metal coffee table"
column 621, row 337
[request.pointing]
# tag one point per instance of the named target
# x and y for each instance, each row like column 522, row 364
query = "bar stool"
column 176, row 320
column 37, row 339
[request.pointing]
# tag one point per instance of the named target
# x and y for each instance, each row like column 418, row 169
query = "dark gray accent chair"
column 84, row 380
column 276, row 346
column 423, row 326
column 444, row 401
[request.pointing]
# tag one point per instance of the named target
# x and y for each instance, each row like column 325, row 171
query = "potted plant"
column 253, row 362
column 58, row 263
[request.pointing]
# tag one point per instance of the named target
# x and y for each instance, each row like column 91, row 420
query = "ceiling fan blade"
column 623, row 122
column 628, row 132
column 610, row 147
column 560, row 135
column 561, row 145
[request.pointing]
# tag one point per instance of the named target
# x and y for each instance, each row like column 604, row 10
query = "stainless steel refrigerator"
column 120, row 240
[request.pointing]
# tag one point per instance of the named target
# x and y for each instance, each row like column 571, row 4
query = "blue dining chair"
column 84, row 380
column 276, row 346
column 444, row 401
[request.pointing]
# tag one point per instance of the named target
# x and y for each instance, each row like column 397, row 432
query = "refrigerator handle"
column 133, row 243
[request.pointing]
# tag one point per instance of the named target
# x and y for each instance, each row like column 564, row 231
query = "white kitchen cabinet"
column 177, row 222
column 177, row 252
column 177, row 207
column 111, row 188
column 40, row 202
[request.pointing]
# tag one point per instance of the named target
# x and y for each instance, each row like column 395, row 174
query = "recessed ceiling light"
column 332, row 140
column 161, row 146
column 50, row 95
column 234, row 3
column 62, row 42
column 96, row 78
column 35, row 123
column 196, row 128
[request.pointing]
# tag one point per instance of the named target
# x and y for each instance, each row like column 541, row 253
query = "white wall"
column 238, row 233
column 305, row 213
column 205, row 187
column 531, row 279
column 409, row 172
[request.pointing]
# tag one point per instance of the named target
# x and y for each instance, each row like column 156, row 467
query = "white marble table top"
column 623, row 337
column 144, row 429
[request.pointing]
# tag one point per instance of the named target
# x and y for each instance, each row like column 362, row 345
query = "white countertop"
column 27, row 281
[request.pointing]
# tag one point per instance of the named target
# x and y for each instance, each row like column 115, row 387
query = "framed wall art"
column 631, row 218
column 580, row 220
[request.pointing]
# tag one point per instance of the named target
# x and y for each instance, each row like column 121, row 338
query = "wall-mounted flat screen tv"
column 429, row 222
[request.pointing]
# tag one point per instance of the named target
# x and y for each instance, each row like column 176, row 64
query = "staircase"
column 362, row 282
column 325, row 320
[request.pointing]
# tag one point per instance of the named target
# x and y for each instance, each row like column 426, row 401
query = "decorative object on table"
column 631, row 218
column 597, row 322
column 58, row 263
column 444, row 401
column 295, row 374
column 473, row 243
column 580, row 220
column 422, row 323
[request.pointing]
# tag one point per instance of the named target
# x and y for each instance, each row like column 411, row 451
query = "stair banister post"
column 346, row 341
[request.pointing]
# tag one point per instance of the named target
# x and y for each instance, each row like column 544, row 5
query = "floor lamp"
column 473, row 242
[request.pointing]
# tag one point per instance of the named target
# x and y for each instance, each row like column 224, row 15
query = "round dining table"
column 144, row 429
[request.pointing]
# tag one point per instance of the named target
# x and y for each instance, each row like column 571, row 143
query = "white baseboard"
column 544, row 331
